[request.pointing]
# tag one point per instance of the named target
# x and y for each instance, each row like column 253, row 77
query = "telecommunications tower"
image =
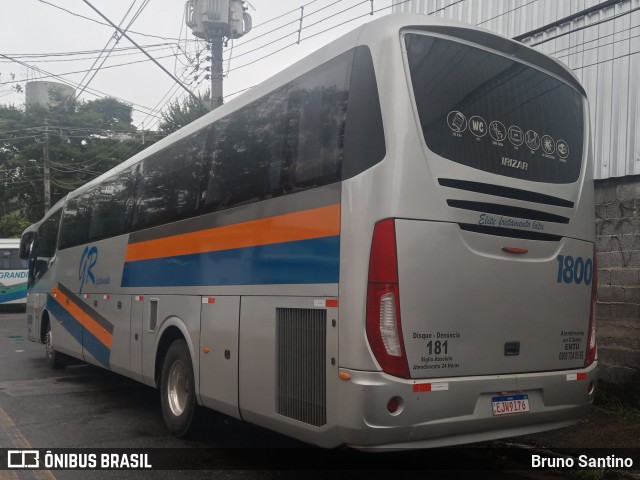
column 215, row 21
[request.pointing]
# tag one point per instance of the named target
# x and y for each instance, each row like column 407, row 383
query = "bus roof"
column 9, row 242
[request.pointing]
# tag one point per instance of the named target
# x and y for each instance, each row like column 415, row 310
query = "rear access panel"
column 470, row 308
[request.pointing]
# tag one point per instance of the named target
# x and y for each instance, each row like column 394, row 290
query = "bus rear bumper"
column 450, row 411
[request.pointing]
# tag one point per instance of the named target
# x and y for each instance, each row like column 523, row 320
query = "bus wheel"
column 177, row 389
column 54, row 359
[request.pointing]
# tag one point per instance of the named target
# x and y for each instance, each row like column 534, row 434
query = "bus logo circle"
column 478, row 126
column 457, row 121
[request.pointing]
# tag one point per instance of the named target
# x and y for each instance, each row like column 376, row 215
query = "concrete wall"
column 618, row 248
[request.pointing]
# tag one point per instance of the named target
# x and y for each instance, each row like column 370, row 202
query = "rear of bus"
column 468, row 252
column 13, row 275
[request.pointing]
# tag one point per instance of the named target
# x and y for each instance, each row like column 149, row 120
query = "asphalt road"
column 83, row 406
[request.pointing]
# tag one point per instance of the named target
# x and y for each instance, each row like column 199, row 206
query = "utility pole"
column 46, row 169
column 217, row 97
column 215, row 21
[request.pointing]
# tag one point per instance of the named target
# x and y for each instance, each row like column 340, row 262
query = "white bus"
column 13, row 274
column 389, row 244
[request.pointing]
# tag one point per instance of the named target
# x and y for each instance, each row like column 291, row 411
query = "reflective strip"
column 325, row 303
column 430, row 387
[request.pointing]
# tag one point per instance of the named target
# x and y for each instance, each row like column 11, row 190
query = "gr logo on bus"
column 87, row 262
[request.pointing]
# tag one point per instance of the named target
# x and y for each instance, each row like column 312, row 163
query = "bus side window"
column 168, row 183
column 319, row 103
column 48, row 236
column 76, row 220
column 16, row 262
column 112, row 206
column 5, row 259
column 289, row 140
column 364, row 143
column 247, row 154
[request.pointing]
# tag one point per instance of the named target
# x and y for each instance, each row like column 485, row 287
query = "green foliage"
column 622, row 400
column 85, row 140
column 183, row 112
column 595, row 474
column 12, row 226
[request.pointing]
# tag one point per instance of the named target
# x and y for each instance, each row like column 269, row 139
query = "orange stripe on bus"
column 85, row 320
column 315, row 223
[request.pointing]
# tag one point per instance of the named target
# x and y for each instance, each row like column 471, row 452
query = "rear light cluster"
column 591, row 339
column 383, row 325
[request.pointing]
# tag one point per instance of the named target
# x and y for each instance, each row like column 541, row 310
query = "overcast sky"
column 31, row 27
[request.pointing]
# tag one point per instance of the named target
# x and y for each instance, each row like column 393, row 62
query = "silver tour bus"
column 390, row 244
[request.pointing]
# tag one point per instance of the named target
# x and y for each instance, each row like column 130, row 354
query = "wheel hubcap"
column 178, row 388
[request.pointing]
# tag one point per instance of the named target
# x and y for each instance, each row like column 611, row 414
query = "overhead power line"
column 49, row 75
column 306, row 27
column 106, row 55
column 577, row 29
column 606, row 61
column 600, row 37
column 303, row 29
column 142, row 50
column 82, row 54
column 507, row 12
column 106, row 24
column 93, row 92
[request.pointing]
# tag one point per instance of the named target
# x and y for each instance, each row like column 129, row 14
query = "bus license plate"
column 510, row 404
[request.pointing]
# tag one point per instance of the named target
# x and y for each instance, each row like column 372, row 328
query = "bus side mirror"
column 26, row 244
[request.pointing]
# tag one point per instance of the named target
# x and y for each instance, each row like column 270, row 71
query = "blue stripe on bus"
column 83, row 336
column 304, row 261
column 11, row 296
column 69, row 323
column 96, row 348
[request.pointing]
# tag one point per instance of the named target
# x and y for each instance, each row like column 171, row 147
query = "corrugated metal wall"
column 602, row 47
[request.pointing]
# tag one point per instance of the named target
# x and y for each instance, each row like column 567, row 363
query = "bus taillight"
column 592, row 347
column 384, row 328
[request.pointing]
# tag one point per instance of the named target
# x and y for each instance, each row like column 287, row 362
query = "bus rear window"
column 489, row 112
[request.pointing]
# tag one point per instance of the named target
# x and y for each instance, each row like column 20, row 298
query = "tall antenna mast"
column 215, row 21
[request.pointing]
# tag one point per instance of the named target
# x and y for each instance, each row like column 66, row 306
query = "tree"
column 85, row 140
column 12, row 226
column 15, row 88
column 183, row 112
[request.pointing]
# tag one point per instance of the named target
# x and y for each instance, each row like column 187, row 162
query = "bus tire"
column 177, row 389
column 55, row 359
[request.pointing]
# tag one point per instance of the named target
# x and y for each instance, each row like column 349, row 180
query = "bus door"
column 34, row 310
column 28, row 251
column 135, row 341
column 219, row 327
column 106, row 336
